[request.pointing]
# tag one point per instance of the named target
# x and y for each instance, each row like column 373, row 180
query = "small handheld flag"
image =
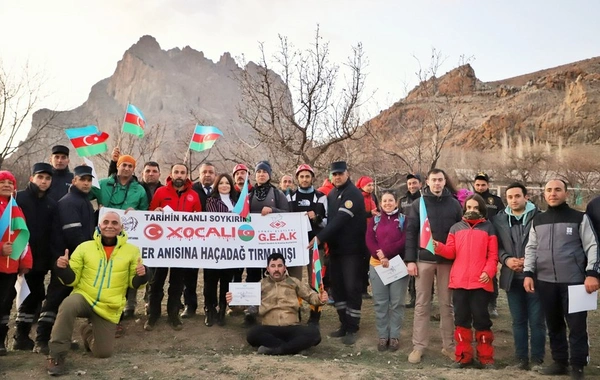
column 242, row 206
column 317, row 276
column 88, row 141
column 204, row 137
column 134, row 121
column 426, row 238
column 14, row 229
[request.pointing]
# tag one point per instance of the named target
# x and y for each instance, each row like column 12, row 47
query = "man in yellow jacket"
column 100, row 272
column 281, row 332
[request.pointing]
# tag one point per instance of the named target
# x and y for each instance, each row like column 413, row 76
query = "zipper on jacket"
column 98, row 272
column 100, row 287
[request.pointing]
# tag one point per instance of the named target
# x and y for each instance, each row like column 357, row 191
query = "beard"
column 178, row 182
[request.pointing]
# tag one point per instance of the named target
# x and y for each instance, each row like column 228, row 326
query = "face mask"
column 473, row 215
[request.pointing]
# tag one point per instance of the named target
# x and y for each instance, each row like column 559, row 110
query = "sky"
column 75, row 44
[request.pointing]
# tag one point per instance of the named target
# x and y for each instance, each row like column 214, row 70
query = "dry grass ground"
column 200, row 352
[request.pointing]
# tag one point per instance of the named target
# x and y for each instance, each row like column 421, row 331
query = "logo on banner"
column 153, row 231
column 246, row 232
column 277, row 222
column 129, row 224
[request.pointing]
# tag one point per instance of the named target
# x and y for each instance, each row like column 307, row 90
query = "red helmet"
column 304, row 167
column 239, row 167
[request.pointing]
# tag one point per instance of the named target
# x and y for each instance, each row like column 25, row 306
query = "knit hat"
column 126, row 158
column 264, row 165
column 5, row 174
column 239, row 167
column 363, row 181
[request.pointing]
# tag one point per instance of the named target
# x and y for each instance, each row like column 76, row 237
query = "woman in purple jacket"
column 385, row 240
column 222, row 199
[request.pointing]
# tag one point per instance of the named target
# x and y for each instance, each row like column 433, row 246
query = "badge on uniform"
column 569, row 230
column 348, row 204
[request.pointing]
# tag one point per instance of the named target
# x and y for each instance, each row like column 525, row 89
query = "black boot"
column 314, row 318
column 221, row 315
column 210, row 314
column 3, row 333
column 22, row 340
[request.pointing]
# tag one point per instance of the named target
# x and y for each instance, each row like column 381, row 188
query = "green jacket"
column 113, row 194
column 104, row 283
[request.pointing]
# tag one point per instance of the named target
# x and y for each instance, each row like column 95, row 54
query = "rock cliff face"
column 558, row 104
column 174, row 89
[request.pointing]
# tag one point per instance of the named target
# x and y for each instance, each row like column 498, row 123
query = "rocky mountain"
column 557, row 105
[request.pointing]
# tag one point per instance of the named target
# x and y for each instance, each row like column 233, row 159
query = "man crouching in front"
column 100, row 272
column 281, row 332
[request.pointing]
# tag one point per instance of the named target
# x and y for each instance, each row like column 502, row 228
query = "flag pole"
column 9, row 227
column 120, row 136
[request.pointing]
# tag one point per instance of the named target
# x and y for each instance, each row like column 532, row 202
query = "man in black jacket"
column 77, row 222
column 62, row 176
column 345, row 235
column 494, row 205
column 512, row 227
column 443, row 211
column 204, row 187
column 40, row 213
column 413, row 186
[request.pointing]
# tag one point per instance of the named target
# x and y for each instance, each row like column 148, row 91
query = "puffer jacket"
column 279, row 300
column 474, row 248
column 103, row 283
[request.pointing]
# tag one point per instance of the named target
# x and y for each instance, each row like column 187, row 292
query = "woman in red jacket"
column 9, row 268
column 473, row 246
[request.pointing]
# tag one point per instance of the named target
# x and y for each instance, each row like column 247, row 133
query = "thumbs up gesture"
column 63, row 261
column 140, row 269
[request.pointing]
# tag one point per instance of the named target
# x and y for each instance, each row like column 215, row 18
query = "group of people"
column 541, row 254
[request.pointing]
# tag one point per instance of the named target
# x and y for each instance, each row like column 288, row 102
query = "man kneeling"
column 281, row 332
column 100, row 272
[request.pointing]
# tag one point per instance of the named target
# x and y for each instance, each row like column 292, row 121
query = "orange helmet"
column 304, row 167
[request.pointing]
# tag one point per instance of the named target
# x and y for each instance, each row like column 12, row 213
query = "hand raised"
column 63, row 261
column 140, row 269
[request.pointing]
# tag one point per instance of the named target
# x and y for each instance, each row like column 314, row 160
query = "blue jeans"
column 526, row 311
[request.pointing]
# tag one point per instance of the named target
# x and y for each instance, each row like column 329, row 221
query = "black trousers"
column 190, row 282
column 288, row 340
column 237, row 274
column 555, row 304
column 471, row 308
column 157, row 291
column 494, row 298
column 365, row 273
column 213, row 279
column 347, row 283
column 7, row 288
column 32, row 304
column 56, row 293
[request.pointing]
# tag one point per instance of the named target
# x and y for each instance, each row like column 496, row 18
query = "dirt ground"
column 199, row 352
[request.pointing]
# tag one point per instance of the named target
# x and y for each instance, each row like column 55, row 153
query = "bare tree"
column 20, row 95
column 299, row 104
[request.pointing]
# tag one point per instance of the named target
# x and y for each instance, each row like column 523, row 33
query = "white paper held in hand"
column 580, row 300
column 245, row 293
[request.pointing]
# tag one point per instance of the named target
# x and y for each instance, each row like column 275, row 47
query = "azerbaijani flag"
column 242, row 206
column 204, row 137
column 14, row 229
column 88, row 141
column 134, row 121
column 317, row 276
column 426, row 239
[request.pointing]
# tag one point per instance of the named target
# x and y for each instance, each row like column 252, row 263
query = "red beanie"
column 5, row 174
column 363, row 181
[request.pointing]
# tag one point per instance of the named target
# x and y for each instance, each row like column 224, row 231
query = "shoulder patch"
column 348, row 204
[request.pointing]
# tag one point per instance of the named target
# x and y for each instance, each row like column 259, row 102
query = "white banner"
column 216, row 240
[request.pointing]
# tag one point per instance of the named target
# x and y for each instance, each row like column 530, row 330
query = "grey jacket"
column 506, row 243
column 562, row 247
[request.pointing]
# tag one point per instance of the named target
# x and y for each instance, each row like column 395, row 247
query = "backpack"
column 401, row 219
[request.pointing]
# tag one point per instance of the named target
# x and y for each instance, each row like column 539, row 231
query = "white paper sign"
column 22, row 290
column 580, row 300
column 395, row 271
column 245, row 293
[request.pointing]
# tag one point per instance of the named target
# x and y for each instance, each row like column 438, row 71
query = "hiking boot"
column 23, row 343
column 338, row 333
column 577, row 372
column 41, row 348
column 128, row 314
column 150, row 323
column 555, row 369
column 349, row 339
column 56, row 366
column 175, row 322
column 449, row 354
column 536, row 364
column 394, row 344
column 382, row 345
column 86, row 333
column 415, row 356
column 210, row 314
column 221, row 315
column 188, row 312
